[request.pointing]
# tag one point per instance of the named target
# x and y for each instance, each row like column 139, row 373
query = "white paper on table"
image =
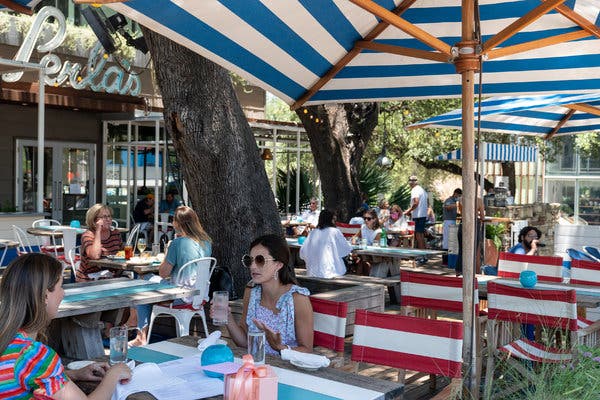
column 145, row 377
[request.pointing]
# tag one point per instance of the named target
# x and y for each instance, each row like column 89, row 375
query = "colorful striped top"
column 28, row 367
column 109, row 246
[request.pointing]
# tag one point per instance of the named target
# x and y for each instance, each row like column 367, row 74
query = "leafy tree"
column 373, row 181
column 306, row 190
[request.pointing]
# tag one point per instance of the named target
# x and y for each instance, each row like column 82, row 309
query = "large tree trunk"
column 338, row 135
column 225, row 177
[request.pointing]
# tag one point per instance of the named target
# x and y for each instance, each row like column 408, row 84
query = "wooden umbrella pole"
column 466, row 64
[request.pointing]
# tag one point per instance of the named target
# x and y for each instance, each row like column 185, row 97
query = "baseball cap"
column 150, row 196
column 413, row 178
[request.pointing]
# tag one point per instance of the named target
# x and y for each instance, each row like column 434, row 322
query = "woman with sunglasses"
column 370, row 229
column 324, row 249
column 30, row 294
column 273, row 302
column 191, row 242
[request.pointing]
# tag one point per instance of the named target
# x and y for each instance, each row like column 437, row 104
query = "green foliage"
column 401, row 197
column 277, row 110
column 8, row 206
column 373, row 181
column 495, row 232
column 578, row 380
column 588, row 144
column 306, row 190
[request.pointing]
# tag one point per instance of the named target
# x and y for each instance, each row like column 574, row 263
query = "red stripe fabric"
column 335, row 308
column 348, row 230
column 432, row 327
column 523, row 315
column 548, row 260
column 406, row 361
column 434, row 304
column 590, row 267
column 430, row 279
column 330, row 341
column 519, row 345
column 554, row 266
column 330, row 307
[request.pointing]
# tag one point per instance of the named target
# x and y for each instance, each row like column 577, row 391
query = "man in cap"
column 418, row 211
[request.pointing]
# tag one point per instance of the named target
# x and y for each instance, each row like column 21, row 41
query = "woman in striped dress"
column 30, row 293
column 99, row 240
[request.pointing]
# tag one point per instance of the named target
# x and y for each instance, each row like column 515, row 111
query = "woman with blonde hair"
column 191, row 242
column 30, row 294
column 99, row 240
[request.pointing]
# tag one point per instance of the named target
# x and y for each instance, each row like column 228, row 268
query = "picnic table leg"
column 80, row 336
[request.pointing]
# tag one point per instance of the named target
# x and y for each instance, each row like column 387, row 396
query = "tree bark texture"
column 338, row 141
column 224, row 175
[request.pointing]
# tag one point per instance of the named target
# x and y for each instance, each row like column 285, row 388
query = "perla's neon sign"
column 111, row 80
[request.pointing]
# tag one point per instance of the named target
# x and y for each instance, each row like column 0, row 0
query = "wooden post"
column 467, row 62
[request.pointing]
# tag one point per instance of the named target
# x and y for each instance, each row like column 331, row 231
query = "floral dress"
column 282, row 322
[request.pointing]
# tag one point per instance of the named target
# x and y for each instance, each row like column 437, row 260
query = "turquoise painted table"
column 294, row 383
column 78, row 321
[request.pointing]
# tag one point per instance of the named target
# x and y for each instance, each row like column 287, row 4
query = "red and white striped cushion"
column 417, row 344
column 550, row 308
column 436, row 292
column 547, row 268
column 585, row 272
column 329, row 323
column 528, row 350
column 348, row 230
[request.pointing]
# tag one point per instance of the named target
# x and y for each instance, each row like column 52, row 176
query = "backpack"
column 221, row 279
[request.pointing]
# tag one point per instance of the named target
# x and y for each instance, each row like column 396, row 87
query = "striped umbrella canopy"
column 545, row 115
column 316, row 51
column 497, row 152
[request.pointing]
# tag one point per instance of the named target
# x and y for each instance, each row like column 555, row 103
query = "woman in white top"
column 370, row 229
column 324, row 248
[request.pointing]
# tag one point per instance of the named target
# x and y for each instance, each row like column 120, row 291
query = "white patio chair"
column 73, row 259
column 22, row 238
column 193, row 274
column 43, row 242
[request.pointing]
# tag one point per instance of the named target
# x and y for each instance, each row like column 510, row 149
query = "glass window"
column 589, row 201
column 563, row 192
column 565, row 157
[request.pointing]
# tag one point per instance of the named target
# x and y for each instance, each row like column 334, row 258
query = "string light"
column 317, row 120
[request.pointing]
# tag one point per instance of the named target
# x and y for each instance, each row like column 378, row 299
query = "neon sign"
column 93, row 75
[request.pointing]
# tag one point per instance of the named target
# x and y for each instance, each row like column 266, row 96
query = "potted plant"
column 493, row 242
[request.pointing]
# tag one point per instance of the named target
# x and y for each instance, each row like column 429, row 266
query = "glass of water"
column 118, row 345
column 256, row 346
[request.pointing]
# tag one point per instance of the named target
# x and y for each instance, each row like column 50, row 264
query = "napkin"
column 312, row 360
column 209, row 341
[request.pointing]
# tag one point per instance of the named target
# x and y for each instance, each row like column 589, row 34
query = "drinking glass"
column 220, row 307
column 128, row 251
column 141, row 245
column 118, row 345
column 256, row 346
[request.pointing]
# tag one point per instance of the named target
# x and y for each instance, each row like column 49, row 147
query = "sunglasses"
column 260, row 260
column 368, row 218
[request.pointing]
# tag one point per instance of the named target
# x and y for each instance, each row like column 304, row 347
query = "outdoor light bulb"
column 105, row 56
column 317, row 120
column 311, row 117
column 305, row 111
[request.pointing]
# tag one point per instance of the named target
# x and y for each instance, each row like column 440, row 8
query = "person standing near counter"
column 450, row 212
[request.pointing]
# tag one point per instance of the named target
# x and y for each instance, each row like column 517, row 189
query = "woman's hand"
column 274, row 338
column 120, row 372
column 92, row 373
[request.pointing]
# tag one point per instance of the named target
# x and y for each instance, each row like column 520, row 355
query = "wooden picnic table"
column 325, row 381
column 76, row 328
column 140, row 268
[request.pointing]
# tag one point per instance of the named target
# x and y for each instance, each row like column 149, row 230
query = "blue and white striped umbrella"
column 287, row 46
column 497, row 152
column 546, row 115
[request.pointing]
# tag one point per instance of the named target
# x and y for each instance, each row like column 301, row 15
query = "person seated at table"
column 273, row 301
column 30, row 294
column 529, row 239
column 144, row 209
column 169, row 204
column 325, row 248
column 370, row 232
column 97, row 241
column 191, row 242
column 383, row 213
column 395, row 216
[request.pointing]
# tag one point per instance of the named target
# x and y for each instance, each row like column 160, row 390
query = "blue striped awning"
column 556, row 115
column 497, row 152
column 287, row 46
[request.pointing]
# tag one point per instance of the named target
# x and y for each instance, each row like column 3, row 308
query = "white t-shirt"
column 366, row 233
column 419, row 193
column 323, row 251
column 312, row 217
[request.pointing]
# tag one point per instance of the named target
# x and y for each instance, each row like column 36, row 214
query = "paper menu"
column 180, row 379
